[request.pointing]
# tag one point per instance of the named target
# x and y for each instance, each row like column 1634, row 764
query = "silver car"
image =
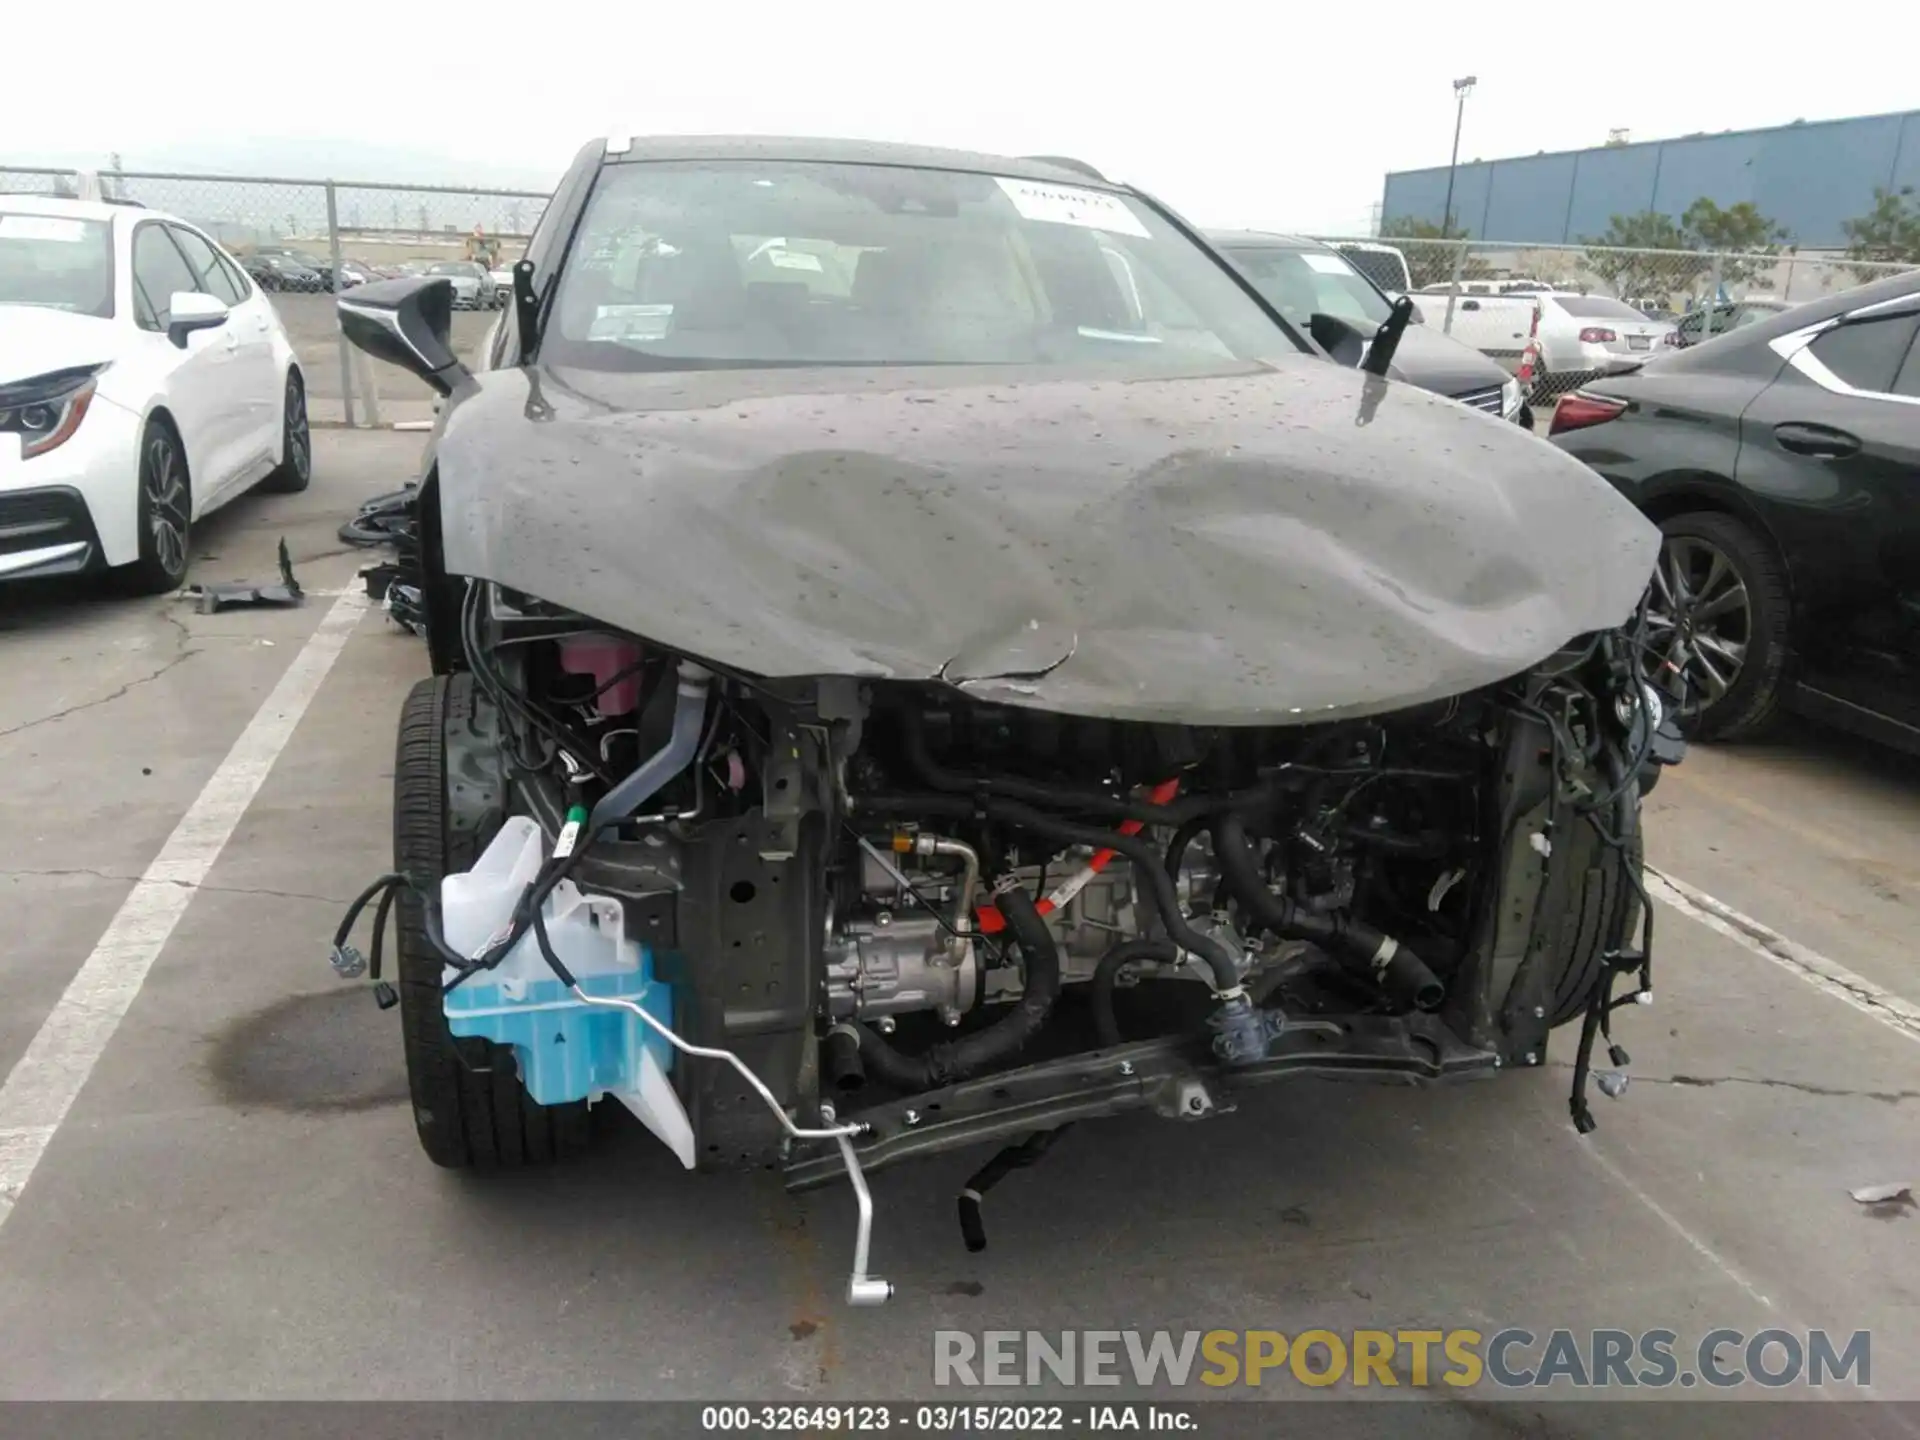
column 472, row 285
column 1581, row 335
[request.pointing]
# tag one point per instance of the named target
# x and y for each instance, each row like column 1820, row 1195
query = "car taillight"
column 1672, row 337
column 1596, row 335
column 1580, row 409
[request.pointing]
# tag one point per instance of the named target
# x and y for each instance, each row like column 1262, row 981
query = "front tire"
column 1722, row 615
column 164, row 515
column 295, row 471
column 469, row 1108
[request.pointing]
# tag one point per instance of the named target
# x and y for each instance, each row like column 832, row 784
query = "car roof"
column 1797, row 317
column 642, row 148
column 29, row 203
column 1246, row 239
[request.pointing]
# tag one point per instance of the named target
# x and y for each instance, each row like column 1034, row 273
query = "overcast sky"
column 1284, row 115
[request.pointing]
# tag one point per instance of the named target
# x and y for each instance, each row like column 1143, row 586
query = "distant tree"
column 1431, row 255
column 1616, row 257
column 1746, row 242
column 1889, row 233
column 1739, row 230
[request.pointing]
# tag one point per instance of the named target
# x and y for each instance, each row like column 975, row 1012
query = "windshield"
column 56, row 261
column 745, row 263
column 1596, row 307
column 1299, row 282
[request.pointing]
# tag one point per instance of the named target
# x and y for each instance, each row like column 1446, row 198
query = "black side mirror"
column 408, row 323
column 1339, row 339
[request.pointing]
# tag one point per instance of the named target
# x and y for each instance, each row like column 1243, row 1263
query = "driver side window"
column 159, row 272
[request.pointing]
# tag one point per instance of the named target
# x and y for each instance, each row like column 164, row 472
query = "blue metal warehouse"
column 1808, row 176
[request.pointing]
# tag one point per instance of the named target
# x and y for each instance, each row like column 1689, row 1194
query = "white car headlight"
column 1510, row 399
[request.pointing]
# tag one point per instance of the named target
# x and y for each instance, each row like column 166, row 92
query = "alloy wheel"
column 163, row 484
column 1700, row 619
column 299, row 442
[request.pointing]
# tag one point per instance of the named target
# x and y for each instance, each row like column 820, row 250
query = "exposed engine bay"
column 828, row 924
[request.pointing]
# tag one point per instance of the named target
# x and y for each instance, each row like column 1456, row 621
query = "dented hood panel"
column 1254, row 545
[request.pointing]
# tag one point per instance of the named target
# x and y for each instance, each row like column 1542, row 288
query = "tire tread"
column 470, row 1109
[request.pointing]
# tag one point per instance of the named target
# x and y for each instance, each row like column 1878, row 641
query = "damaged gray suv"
column 925, row 655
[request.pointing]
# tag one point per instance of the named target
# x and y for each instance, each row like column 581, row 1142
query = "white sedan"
column 144, row 381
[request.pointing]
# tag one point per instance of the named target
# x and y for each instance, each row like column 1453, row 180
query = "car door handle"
column 1822, row 441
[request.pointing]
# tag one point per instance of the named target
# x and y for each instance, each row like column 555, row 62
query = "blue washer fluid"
column 567, row 1049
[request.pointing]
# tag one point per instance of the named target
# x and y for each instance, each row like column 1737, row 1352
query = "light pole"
column 1461, row 89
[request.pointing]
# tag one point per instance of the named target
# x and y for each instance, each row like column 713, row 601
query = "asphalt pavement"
column 210, row 1188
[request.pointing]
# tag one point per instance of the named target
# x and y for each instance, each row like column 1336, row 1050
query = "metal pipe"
column 862, row 1288
column 957, row 943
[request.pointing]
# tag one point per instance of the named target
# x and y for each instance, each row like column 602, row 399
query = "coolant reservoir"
column 567, row 1049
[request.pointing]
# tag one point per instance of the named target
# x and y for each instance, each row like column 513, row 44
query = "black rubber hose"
column 1383, row 960
column 1148, row 863
column 840, row 1058
column 1106, row 805
column 954, row 1060
column 1106, row 975
column 1103, row 803
column 1177, row 847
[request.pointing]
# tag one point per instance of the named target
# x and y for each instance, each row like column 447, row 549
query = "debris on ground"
column 391, row 519
column 387, row 585
column 1899, row 1193
column 235, row 594
column 381, row 520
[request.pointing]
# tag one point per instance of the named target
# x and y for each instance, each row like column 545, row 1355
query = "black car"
column 1303, row 277
column 273, row 271
column 306, row 260
column 1782, row 462
column 924, row 653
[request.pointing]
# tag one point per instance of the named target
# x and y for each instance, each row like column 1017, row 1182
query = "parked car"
column 795, row 639
column 1582, row 336
column 1500, row 327
column 358, row 272
column 472, row 286
column 144, row 381
column 1781, row 462
column 1384, row 265
column 502, row 277
column 306, row 260
column 278, row 273
column 1303, row 277
column 1708, row 322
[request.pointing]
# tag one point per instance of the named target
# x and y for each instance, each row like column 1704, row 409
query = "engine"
column 959, row 877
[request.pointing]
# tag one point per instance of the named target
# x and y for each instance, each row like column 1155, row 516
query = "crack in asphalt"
column 215, row 889
column 107, row 699
column 1805, row 1087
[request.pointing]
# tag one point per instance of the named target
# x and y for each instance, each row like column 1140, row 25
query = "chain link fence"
column 304, row 240
column 1560, row 313
column 1565, row 312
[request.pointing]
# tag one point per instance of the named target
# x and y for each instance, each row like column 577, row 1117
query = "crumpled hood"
column 37, row 339
column 1251, row 545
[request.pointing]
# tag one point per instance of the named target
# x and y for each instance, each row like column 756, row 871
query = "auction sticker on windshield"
column 1070, row 205
column 42, row 227
column 1325, row 264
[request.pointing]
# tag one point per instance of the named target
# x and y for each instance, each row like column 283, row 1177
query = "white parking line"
column 1825, row 974
column 48, row 1077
